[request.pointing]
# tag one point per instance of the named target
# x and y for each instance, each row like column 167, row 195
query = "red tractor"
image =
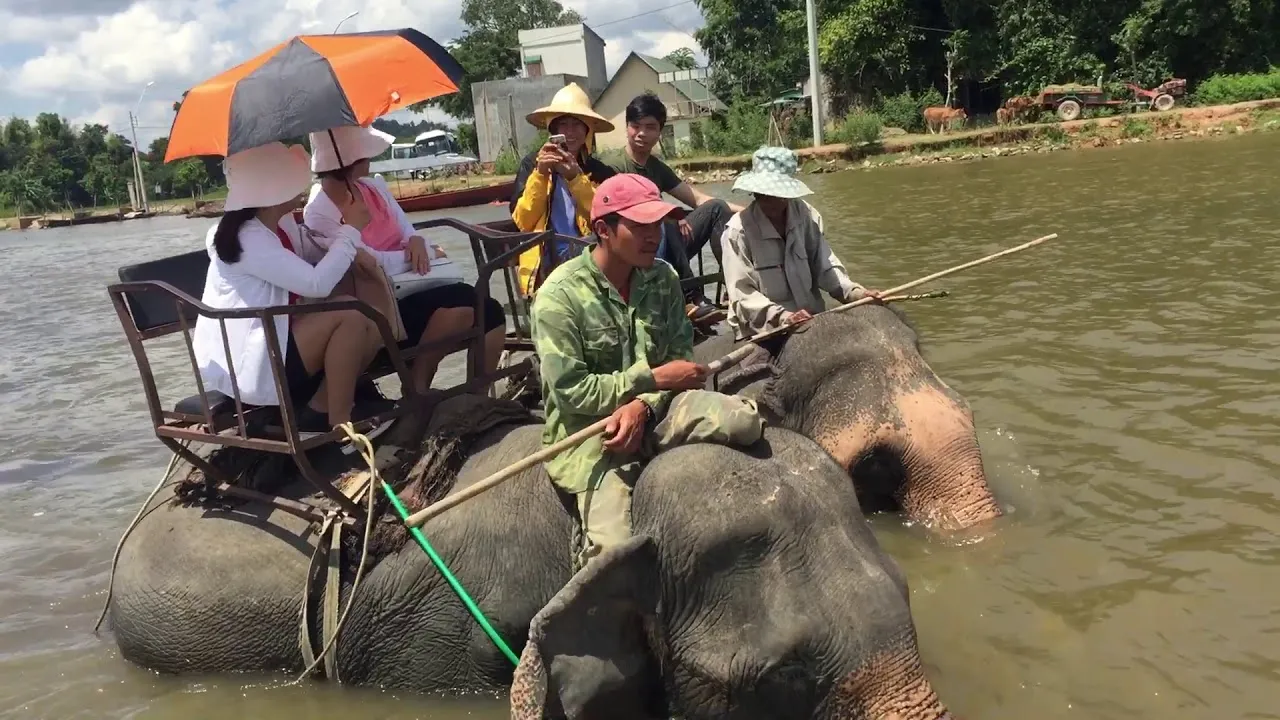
column 1160, row 98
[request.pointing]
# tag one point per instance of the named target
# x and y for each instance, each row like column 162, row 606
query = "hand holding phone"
column 559, row 140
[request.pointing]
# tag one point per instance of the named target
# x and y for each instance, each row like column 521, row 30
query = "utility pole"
column 137, row 163
column 137, row 167
column 815, row 72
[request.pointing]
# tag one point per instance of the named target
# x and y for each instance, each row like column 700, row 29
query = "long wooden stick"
column 417, row 519
column 741, row 353
column 422, row 516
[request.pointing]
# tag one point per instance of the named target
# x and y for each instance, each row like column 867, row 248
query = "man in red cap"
column 613, row 341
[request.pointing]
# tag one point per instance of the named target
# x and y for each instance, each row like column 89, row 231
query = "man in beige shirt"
column 775, row 256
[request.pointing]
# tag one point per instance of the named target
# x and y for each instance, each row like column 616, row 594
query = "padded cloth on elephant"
column 455, row 424
column 758, row 363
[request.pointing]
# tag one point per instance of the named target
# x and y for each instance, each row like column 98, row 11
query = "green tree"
column 190, row 174
column 488, row 48
column 682, row 58
column 756, row 47
column 104, row 180
column 25, row 191
column 873, row 49
column 47, row 164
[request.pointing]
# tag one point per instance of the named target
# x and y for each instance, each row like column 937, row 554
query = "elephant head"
column 748, row 591
column 857, row 383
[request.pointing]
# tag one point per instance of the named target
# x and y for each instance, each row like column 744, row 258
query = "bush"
column 859, row 126
column 1135, row 128
column 1227, row 89
column 739, row 131
column 800, row 132
column 507, row 162
column 906, row 110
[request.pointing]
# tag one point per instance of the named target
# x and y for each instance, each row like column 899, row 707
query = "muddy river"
column 1124, row 380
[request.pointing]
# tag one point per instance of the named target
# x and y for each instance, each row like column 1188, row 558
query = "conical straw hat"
column 570, row 100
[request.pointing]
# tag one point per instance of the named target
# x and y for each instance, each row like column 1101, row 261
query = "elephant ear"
column 587, row 655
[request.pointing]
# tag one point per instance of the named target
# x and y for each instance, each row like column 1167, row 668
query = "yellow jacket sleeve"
column 583, row 193
column 531, row 209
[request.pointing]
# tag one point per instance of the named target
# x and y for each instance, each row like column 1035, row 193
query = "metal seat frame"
column 493, row 250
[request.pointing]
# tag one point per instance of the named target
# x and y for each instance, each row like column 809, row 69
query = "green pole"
column 449, row 578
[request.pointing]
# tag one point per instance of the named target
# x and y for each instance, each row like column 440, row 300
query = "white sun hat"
column 266, row 176
column 354, row 143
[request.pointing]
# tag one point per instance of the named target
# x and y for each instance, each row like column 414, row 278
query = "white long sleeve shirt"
column 323, row 216
column 264, row 276
column 768, row 276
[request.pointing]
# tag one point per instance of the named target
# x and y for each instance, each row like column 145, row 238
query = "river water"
column 1123, row 379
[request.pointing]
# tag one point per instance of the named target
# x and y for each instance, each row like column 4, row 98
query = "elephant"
column 857, row 383
column 752, row 587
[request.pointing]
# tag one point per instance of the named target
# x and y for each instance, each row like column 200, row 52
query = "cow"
column 1019, row 107
column 939, row 118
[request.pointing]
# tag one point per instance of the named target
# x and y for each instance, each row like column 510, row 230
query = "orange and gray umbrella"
column 311, row 83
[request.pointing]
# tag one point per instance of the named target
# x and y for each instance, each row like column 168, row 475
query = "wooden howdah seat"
column 160, row 298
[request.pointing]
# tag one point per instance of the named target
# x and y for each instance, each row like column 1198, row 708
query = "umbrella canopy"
column 309, row 83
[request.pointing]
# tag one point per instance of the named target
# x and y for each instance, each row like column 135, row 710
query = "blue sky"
column 90, row 60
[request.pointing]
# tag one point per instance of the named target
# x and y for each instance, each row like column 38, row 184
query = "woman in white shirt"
column 254, row 263
column 345, row 197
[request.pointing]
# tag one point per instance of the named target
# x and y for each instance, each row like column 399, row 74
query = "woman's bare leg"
column 494, row 343
column 340, row 343
column 444, row 322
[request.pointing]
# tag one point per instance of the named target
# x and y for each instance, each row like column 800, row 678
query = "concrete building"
column 501, row 106
column 565, row 50
column 686, row 94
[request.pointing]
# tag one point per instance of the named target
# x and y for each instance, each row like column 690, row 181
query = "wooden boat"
column 458, row 198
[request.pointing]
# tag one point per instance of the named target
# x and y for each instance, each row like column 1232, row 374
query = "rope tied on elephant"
column 142, row 512
column 366, row 483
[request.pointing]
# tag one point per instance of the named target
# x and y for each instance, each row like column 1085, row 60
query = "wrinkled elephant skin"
column 856, row 383
column 207, row 591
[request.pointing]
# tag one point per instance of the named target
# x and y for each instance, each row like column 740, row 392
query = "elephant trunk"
column 891, row 686
column 944, row 482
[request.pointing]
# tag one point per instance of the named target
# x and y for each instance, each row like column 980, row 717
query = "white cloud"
column 126, row 50
column 26, row 28
column 97, row 55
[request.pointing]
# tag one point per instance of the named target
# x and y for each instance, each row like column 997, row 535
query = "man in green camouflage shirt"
column 613, row 340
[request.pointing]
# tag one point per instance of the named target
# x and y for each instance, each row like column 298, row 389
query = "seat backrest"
column 153, row 309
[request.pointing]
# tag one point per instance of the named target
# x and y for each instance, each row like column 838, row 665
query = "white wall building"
column 565, row 50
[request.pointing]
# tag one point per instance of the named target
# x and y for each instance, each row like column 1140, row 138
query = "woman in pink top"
column 346, row 196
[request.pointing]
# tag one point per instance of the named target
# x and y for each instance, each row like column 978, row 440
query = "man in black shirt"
column 646, row 117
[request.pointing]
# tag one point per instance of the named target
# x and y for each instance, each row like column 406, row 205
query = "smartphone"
column 559, row 140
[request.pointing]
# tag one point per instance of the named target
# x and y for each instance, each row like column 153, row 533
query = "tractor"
column 1069, row 101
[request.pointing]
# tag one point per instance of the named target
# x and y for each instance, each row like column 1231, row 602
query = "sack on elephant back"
column 375, row 290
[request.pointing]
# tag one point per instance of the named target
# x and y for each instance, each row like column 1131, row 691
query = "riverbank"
column 1006, row 140
column 210, row 206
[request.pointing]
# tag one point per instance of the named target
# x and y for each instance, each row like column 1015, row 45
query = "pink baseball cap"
column 634, row 197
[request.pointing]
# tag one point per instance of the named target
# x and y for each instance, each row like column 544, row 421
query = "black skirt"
column 416, row 309
column 302, row 385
